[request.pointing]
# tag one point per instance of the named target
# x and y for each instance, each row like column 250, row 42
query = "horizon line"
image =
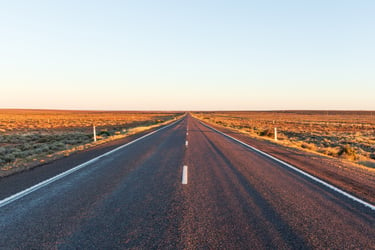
column 183, row 110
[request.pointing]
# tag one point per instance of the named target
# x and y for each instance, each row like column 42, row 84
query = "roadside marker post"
column 275, row 134
column 94, row 132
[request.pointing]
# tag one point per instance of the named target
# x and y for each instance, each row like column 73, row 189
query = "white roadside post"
column 275, row 134
column 94, row 132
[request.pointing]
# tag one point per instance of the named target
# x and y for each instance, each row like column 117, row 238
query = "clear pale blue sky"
column 187, row 55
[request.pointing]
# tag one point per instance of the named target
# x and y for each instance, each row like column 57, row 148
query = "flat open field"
column 31, row 137
column 348, row 135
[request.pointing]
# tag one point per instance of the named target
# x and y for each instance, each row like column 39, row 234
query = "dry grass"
column 31, row 137
column 348, row 135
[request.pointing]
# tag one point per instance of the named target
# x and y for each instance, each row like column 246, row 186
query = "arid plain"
column 29, row 138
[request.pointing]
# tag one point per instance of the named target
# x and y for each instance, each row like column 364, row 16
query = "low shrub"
column 348, row 152
column 331, row 151
column 9, row 158
column 309, row 146
column 58, row 146
column 267, row 132
column 104, row 133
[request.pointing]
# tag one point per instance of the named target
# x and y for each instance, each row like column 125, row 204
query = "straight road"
column 185, row 187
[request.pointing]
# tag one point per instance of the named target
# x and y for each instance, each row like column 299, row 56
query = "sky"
column 187, row 55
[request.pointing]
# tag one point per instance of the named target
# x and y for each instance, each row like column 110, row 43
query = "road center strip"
column 185, row 175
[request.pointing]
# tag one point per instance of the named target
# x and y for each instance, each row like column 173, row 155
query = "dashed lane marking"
column 185, row 175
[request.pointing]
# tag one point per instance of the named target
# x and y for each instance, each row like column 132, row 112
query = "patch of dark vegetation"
column 267, row 132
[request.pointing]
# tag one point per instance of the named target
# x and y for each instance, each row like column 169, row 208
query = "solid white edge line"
column 330, row 186
column 31, row 189
column 185, row 175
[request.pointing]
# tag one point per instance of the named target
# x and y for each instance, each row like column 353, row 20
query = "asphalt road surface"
column 234, row 198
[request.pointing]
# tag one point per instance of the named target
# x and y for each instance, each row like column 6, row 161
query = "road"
column 234, row 198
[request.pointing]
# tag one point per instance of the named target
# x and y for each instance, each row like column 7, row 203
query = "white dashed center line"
column 185, row 175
